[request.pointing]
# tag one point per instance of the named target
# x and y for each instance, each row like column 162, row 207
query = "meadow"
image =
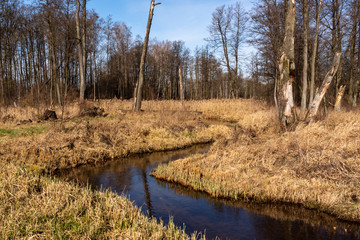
column 316, row 165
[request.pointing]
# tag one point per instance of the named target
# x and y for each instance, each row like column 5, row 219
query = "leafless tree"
column 139, row 85
column 81, row 38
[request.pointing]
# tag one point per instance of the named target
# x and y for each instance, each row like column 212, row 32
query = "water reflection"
column 223, row 218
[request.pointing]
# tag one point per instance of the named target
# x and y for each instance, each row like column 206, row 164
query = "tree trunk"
column 287, row 70
column 305, row 59
column 139, row 85
column 339, row 96
column 83, row 42
column 314, row 52
column 325, row 85
column 352, row 52
column 1, row 79
column 357, row 82
column 181, row 85
column 80, row 52
column 94, row 72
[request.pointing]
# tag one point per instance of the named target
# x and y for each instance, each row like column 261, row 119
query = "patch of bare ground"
column 317, row 165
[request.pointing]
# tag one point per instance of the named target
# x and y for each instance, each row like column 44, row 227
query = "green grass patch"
column 22, row 132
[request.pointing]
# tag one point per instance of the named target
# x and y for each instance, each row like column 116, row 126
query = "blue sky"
column 185, row 20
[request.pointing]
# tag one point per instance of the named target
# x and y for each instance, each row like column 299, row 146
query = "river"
column 198, row 212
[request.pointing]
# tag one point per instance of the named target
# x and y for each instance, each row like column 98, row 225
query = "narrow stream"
column 199, row 212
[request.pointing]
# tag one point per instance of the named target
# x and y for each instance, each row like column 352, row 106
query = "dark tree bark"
column 80, row 34
column 305, row 58
column 314, row 52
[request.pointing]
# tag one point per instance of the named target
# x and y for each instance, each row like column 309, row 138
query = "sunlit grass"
column 23, row 131
column 37, row 207
column 317, row 165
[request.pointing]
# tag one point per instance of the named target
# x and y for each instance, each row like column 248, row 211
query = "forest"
column 40, row 47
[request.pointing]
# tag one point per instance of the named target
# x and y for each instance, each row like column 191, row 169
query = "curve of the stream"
column 199, row 212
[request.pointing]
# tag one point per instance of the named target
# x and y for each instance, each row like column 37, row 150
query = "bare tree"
column 268, row 34
column 305, row 58
column 324, row 87
column 240, row 18
column 354, row 13
column 219, row 36
column 81, row 38
column 287, row 70
column 139, row 85
column 314, row 52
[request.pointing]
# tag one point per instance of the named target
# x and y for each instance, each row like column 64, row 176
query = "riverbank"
column 53, row 145
column 38, row 207
column 317, row 166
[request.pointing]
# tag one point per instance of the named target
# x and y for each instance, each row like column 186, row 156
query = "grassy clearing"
column 317, row 166
column 76, row 141
column 22, row 131
column 37, row 207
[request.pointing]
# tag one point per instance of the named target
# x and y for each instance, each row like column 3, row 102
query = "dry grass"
column 317, row 165
column 37, row 207
column 76, row 141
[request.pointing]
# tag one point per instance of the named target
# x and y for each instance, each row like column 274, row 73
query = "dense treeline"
column 39, row 53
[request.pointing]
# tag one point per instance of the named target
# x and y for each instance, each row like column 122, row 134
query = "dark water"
column 199, row 212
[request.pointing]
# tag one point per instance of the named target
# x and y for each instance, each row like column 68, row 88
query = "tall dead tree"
column 287, row 70
column 324, row 87
column 140, row 83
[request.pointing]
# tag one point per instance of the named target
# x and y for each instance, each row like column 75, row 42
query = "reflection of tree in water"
column 283, row 221
column 118, row 175
column 147, row 191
